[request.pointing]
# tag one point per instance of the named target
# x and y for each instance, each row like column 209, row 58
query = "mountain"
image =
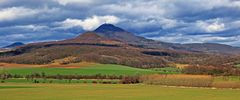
column 14, row 45
column 93, row 38
column 87, row 47
column 212, row 48
column 108, row 34
column 112, row 45
column 113, row 32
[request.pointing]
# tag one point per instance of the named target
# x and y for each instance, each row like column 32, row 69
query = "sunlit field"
column 93, row 69
column 111, row 92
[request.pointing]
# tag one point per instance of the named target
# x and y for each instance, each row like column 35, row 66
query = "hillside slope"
column 109, row 44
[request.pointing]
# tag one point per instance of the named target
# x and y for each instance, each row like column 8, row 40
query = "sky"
column 177, row 21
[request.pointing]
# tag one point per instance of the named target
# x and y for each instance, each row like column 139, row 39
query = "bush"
column 94, row 82
column 130, row 80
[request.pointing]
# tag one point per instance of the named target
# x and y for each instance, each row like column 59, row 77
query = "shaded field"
column 14, row 87
column 104, row 69
column 64, row 81
column 112, row 92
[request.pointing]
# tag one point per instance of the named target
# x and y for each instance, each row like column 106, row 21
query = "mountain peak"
column 15, row 44
column 116, row 33
column 108, row 28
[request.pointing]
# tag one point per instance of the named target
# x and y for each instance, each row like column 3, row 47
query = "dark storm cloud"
column 177, row 21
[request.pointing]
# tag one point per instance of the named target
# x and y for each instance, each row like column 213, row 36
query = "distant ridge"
column 14, row 45
column 114, row 32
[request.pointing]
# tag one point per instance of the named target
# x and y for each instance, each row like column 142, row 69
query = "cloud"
column 88, row 23
column 190, row 20
column 181, row 38
column 66, row 2
column 32, row 27
column 135, row 8
column 13, row 13
column 16, row 12
column 211, row 27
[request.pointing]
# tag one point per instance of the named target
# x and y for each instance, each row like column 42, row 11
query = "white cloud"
column 32, row 27
column 181, row 38
column 211, row 27
column 215, row 27
column 88, row 23
column 12, row 13
column 135, row 8
column 15, row 12
column 65, row 2
column 164, row 7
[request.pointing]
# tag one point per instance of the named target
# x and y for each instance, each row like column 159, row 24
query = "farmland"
column 111, row 92
column 159, row 83
column 93, row 69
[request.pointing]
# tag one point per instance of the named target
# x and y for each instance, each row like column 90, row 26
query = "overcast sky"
column 178, row 21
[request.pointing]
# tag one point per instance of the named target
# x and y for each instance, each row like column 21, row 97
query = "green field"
column 63, row 81
column 87, row 89
column 111, row 92
column 104, row 69
column 168, row 70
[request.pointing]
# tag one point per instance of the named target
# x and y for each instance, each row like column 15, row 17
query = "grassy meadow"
column 111, row 92
column 93, row 69
column 156, row 84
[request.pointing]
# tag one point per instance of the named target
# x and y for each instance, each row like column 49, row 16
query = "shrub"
column 130, row 80
column 94, row 82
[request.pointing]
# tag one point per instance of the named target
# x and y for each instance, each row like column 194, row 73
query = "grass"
column 104, row 69
column 63, row 81
column 168, row 70
column 14, row 87
column 227, row 79
column 112, row 92
column 179, row 80
column 192, row 80
column 227, row 82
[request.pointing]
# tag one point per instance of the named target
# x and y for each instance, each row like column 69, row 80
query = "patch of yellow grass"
column 66, row 59
column 72, row 65
column 181, row 66
column 179, row 80
column 83, row 64
column 227, row 84
column 18, row 65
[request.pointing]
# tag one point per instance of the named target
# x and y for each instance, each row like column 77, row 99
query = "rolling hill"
column 109, row 44
column 14, row 45
column 113, row 32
